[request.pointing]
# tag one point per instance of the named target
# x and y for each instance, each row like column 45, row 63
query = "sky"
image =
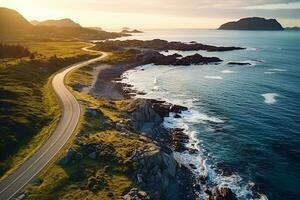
column 148, row 14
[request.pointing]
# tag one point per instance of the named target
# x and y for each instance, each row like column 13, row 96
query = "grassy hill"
column 14, row 27
column 58, row 23
column 12, row 21
column 29, row 110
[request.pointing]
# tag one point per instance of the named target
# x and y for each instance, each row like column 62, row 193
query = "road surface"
column 11, row 185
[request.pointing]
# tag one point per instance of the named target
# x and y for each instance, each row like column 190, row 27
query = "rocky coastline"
column 157, row 173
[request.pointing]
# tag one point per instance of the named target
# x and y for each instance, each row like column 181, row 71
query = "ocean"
column 245, row 120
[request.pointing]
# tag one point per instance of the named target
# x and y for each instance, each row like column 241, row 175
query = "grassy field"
column 111, row 171
column 28, row 108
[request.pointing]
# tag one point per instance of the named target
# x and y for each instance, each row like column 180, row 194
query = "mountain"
column 295, row 28
column 12, row 21
column 59, row 23
column 34, row 22
column 13, row 26
column 253, row 23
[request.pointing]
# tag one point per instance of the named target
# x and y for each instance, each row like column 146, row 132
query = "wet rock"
column 222, row 193
column 156, row 168
column 136, row 194
column 177, row 116
column 192, row 166
column 192, row 151
column 178, row 139
column 238, row 63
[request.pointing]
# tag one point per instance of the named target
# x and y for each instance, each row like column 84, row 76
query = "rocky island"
column 253, row 23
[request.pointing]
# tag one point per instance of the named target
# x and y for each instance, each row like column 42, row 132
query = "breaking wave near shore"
column 200, row 163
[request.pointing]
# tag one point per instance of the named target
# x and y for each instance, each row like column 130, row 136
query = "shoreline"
column 174, row 139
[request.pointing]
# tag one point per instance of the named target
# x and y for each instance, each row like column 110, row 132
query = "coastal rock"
column 164, row 108
column 136, row 194
column 156, row 168
column 71, row 156
column 160, row 45
column 178, row 139
column 221, row 193
column 197, row 59
column 144, row 118
column 238, row 63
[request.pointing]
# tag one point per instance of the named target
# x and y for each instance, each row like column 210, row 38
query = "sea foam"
column 270, row 98
column 214, row 77
column 227, row 72
column 278, row 70
column 189, row 117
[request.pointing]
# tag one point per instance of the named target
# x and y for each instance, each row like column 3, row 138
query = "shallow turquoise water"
column 246, row 118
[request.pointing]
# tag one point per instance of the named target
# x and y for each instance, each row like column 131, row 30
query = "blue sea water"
column 245, row 120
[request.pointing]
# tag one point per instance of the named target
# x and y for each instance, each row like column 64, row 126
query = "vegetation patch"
column 100, row 167
column 29, row 109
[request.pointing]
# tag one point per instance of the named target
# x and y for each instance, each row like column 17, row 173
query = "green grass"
column 112, row 169
column 29, row 110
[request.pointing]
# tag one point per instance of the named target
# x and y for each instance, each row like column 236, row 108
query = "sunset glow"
column 155, row 14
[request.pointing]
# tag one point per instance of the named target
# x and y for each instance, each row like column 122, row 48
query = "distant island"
column 295, row 28
column 127, row 30
column 253, row 23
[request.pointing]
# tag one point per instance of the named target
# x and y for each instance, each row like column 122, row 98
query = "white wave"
column 155, row 80
column 250, row 49
column 270, row 98
column 155, row 88
column 189, row 117
column 270, row 72
column 214, row 77
column 227, row 72
column 277, row 70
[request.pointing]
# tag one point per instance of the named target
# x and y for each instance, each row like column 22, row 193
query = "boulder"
column 238, row 63
column 156, row 168
column 221, row 193
column 71, row 156
column 136, row 194
column 144, row 118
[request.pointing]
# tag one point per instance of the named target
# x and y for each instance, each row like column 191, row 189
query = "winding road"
column 11, row 185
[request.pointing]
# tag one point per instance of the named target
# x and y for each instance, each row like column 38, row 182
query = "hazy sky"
column 111, row 14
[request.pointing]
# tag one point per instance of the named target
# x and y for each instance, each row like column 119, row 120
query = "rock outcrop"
column 148, row 114
column 159, row 45
column 150, row 56
column 136, row 194
column 238, row 63
column 197, row 59
column 156, row 169
column 70, row 157
column 220, row 193
column 253, row 23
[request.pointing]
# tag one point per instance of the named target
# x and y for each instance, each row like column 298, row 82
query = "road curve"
column 11, row 185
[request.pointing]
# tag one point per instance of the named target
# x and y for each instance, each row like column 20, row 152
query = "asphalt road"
column 11, row 185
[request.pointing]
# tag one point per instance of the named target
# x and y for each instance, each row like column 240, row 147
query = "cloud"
column 189, row 8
